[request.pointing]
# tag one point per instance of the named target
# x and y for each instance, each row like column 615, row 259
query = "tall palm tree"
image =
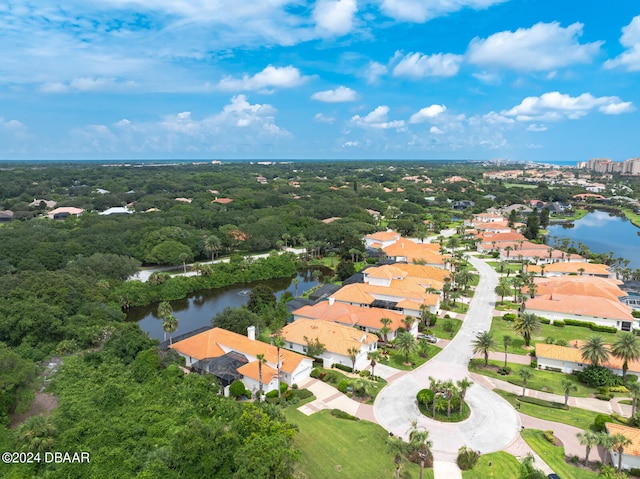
column 606, row 442
column 525, row 374
column 506, row 341
column 385, row 329
column 420, row 444
column 435, row 386
column 406, row 344
column 374, row 357
column 463, row 385
column 261, row 361
column 503, row 288
column 482, row 344
column 527, row 325
column 36, row 434
column 568, row 386
column 407, row 322
column 278, row 342
column 353, row 355
column 170, row 325
column 595, row 351
column 450, row 390
column 620, row 441
column 397, row 447
column 164, row 311
column 589, row 440
column 634, row 389
column 212, row 245
column 626, row 348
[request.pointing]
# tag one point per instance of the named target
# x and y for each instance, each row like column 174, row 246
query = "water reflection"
column 199, row 308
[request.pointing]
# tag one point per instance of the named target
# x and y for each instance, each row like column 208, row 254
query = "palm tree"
column 170, row 325
column 183, row 258
column 436, row 387
column 527, row 324
column 296, row 282
column 278, row 342
column 503, row 288
column 212, row 245
column 620, row 441
column 385, row 329
column 569, row 386
column 463, row 385
column 261, row 361
column 634, row 389
column 449, row 389
column 406, row 344
column 397, row 447
column 626, row 348
column 374, row 357
column 362, row 387
column 425, row 315
column 607, row 443
column 353, row 355
column 36, row 434
column 589, row 440
column 595, row 351
column 482, row 344
column 419, row 443
column 407, row 322
column 164, row 310
column 506, row 341
column 525, row 374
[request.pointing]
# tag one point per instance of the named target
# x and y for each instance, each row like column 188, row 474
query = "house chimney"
column 251, row 333
column 331, row 300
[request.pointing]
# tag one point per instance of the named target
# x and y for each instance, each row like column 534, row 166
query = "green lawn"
column 461, row 308
column 577, row 417
column 500, row 327
column 551, row 381
column 498, row 465
column 631, row 216
column 338, row 376
column 333, row 447
column 554, row 456
column 514, row 267
column 440, row 331
column 396, row 359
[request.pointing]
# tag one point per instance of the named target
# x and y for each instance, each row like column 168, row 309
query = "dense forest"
column 64, row 293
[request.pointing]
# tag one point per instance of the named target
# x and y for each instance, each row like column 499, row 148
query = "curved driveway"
column 493, row 423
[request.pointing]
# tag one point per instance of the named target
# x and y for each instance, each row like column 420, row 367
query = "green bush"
column 509, row 317
column 342, row 367
column 343, row 385
column 631, row 378
column 343, row 415
column 425, row 396
column 303, row 393
column 504, row 371
column 365, row 374
column 636, row 314
column 559, row 323
column 603, row 329
column 294, row 386
column 283, row 387
column 618, row 389
column 315, row 373
column 604, row 397
column 545, row 321
column 236, row 389
column 467, row 458
column 542, row 402
column 272, row 394
column 600, row 421
column 575, row 322
column 597, row 376
column 548, row 435
column 634, row 472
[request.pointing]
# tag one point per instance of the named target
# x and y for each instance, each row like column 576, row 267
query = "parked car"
column 429, row 337
column 553, row 476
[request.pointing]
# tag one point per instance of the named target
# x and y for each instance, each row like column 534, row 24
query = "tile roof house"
column 593, row 286
column 568, row 359
column 337, row 340
column 603, row 311
column 630, row 453
column 406, row 276
column 365, row 319
column 381, row 239
column 405, row 302
column 64, row 212
column 404, row 250
column 217, row 342
column 574, row 268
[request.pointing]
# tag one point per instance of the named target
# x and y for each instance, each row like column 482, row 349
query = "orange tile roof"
column 222, row 201
column 498, row 237
column 631, row 433
column 352, row 315
column 574, row 355
column 580, row 305
column 387, row 271
column 567, row 267
column 335, row 337
column 367, row 293
column 251, row 370
column 593, row 286
column 413, row 251
column 211, row 344
column 384, row 236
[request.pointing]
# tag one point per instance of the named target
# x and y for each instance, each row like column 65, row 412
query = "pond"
column 199, row 308
column 603, row 232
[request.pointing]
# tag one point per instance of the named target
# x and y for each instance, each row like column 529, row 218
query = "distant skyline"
column 332, row 79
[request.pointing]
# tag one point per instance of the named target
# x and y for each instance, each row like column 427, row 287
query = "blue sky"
column 276, row 79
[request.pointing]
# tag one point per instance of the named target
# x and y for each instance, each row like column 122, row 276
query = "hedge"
column 343, row 415
column 542, row 402
column 342, row 367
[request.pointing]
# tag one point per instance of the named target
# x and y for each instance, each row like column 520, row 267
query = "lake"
column 603, row 232
column 199, row 308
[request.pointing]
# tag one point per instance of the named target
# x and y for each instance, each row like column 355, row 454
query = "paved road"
column 493, row 423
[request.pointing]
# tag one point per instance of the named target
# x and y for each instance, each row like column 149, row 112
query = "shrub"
column 559, row 323
column 343, row 415
column 603, row 329
column 634, row 471
column 636, row 314
column 545, row 321
column 236, row 389
column 272, row 394
column 331, row 377
column 600, row 421
column 467, row 458
column 342, row 367
column 561, row 342
column 631, row 378
column 534, row 365
column 504, row 371
column 303, row 393
column 283, row 387
column 509, row 317
column 448, row 326
column 618, row 389
column 425, row 396
column 604, row 397
column 315, row 373
column 575, row 322
column 549, row 340
column 343, row 385
column 597, row 376
column 294, row 386
column 548, row 435
column 542, row 402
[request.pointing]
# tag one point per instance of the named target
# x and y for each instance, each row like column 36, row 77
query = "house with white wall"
column 568, row 359
column 630, row 453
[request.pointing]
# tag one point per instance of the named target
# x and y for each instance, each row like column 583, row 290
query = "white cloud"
column 377, row 119
column 417, row 65
column 420, row 11
column 434, row 130
column 493, row 118
column 324, row 119
column 554, row 106
column 339, row 95
column 545, row 46
column 87, row 84
column 630, row 58
column 270, row 77
column 350, row 144
column 427, row 113
column 334, row 17
column 490, row 78
column 374, row 71
column 536, row 127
